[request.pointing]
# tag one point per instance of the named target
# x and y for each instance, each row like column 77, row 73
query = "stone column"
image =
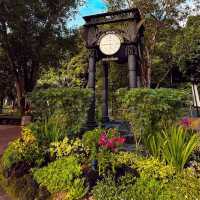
column 105, row 93
column 91, row 120
column 132, row 65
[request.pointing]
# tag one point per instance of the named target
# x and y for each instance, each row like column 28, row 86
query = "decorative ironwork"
column 131, row 50
column 112, row 17
column 99, row 43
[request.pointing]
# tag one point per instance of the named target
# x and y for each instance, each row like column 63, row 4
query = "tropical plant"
column 178, row 146
column 154, row 144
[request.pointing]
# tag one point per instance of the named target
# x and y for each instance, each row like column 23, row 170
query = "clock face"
column 110, row 44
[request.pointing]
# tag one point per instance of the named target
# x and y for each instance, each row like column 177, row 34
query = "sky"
column 91, row 7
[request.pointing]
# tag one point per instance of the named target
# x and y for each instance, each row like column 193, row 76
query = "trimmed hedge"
column 69, row 103
column 147, row 109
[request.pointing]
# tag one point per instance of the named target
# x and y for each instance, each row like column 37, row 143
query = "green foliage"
column 147, row 167
column 62, row 175
column 155, row 181
column 49, row 130
column 185, row 185
column 25, row 149
column 178, row 146
column 48, row 21
column 68, row 147
column 154, row 144
column 106, row 163
column 70, row 104
column 90, row 140
column 148, row 109
column 129, row 188
column 186, row 49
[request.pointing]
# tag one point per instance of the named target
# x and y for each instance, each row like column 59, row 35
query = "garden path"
column 7, row 134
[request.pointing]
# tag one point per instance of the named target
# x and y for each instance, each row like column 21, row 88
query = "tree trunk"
column 1, row 104
column 20, row 96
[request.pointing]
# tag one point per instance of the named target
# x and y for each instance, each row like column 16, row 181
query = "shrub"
column 148, row 109
column 68, row 147
column 127, row 188
column 24, row 149
column 185, row 185
column 71, row 104
column 146, row 167
column 62, row 175
column 90, row 140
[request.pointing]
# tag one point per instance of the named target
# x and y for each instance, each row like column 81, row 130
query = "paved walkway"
column 7, row 134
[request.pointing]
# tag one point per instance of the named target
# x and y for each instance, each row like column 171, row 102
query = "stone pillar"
column 105, row 93
column 132, row 66
column 91, row 120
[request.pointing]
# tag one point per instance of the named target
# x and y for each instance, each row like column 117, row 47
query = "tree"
column 34, row 35
column 186, row 49
column 6, row 79
column 160, row 16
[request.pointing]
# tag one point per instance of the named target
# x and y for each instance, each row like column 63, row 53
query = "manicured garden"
column 56, row 158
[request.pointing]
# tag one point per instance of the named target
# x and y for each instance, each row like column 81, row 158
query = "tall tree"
column 34, row 34
column 160, row 15
column 186, row 49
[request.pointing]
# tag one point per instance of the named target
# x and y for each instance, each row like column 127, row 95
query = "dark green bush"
column 69, row 103
column 148, row 110
column 62, row 175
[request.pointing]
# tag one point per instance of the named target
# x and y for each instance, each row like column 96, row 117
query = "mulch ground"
column 7, row 134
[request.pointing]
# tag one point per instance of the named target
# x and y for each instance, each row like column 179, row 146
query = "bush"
column 148, row 109
column 146, row 167
column 71, row 104
column 68, row 147
column 90, row 140
column 185, row 185
column 24, row 149
column 155, row 181
column 62, row 175
column 127, row 188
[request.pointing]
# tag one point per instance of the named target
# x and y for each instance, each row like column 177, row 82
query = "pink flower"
column 110, row 144
column 103, row 139
column 186, row 122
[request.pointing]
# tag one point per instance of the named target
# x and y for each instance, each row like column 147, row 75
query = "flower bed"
column 46, row 163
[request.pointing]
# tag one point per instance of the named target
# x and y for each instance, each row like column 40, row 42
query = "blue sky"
column 91, row 7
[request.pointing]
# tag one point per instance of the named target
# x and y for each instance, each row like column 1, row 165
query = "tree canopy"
column 34, row 35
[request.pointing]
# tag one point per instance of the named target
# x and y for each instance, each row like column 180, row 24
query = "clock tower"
column 122, row 44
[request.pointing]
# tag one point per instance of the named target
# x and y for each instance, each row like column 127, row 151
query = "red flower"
column 103, row 139
column 120, row 140
column 110, row 144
